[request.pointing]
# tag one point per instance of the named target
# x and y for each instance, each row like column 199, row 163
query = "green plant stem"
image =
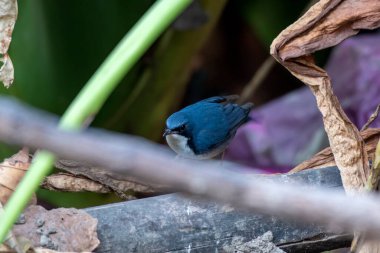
column 92, row 97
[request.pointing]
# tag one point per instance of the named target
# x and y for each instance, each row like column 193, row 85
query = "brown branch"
column 155, row 164
column 371, row 118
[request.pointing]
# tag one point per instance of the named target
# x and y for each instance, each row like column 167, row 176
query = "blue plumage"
column 204, row 129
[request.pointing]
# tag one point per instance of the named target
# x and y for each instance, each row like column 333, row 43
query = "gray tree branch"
column 134, row 156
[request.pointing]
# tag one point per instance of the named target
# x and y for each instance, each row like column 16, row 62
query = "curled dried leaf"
column 8, row 16
column 324, row 25
column 11, row 172
column 120, row 185
column 44, row 250
column 71, row 183
column 7, row 71
column 4, row 248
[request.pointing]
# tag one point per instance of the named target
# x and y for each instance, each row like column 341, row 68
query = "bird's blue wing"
column 235, row 116
column 214, row 122
column 211, row 128
column 219, row 99
column 208, row 139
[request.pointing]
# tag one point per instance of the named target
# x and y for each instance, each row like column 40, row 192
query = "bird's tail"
column 247, row 106
column 231, row 98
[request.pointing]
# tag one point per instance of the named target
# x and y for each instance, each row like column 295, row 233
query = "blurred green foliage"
column 268, row 18
column 57, row 45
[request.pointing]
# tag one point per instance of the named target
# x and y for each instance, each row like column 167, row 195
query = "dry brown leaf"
column 11, row 172
column 44, row 250
column 325, row 157
column 5, row 249
column 13, row 244
column 119, row 184
column 62, row 229
column 324, row 25
column 71, row 183
column 7, row 71
column 8, row 16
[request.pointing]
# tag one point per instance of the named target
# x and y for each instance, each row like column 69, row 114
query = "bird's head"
column 178, row 124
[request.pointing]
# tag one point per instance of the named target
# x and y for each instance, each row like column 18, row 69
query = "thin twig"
column 257, row 79
column 154, row 164
column 372, row 182
column 371, row 118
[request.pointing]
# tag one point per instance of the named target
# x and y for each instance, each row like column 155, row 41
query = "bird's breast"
column 180, row 145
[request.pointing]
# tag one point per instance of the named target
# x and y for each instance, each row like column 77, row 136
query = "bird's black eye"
column 180, row 128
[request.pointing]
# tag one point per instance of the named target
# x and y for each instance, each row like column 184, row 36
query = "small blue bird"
column 203, row 130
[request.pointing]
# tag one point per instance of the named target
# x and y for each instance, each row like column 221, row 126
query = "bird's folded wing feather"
column 235, row 115
column 220, row 99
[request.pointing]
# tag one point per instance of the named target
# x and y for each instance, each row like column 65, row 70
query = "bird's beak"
column 167, row 132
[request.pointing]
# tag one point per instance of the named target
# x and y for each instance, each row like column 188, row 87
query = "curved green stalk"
column 93, row 95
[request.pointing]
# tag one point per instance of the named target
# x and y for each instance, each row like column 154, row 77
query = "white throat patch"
column 179, row 144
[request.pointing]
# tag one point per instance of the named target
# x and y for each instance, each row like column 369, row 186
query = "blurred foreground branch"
column 128, row 155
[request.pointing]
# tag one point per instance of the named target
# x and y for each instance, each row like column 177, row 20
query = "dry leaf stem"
column 372, row 183
column 345, row 141
column 374, row 175
column 371, row 118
